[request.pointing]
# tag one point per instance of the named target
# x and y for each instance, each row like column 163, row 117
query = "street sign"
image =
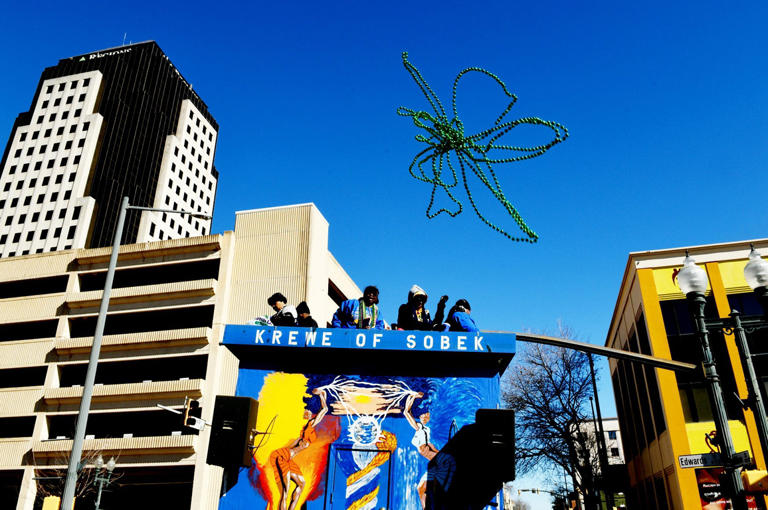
column 711, row 460
column 700, row 460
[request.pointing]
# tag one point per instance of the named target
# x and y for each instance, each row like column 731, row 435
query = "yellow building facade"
column 664, row 414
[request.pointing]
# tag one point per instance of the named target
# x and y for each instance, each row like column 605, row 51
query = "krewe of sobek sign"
column 374, row 339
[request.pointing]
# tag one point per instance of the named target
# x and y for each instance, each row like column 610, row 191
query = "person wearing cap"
column 413, row 315
column 285, row 314
column 305, row 320
column 360, row 313
column 459, row 319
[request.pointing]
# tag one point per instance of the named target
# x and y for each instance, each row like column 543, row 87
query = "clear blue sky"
column 665, row 103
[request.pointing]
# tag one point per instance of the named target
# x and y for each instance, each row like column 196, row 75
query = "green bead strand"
column 445, row 139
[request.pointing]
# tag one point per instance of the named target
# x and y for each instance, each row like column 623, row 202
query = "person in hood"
column 360, row 313
column 285, row 314
column 413, row 315
column 459, row 319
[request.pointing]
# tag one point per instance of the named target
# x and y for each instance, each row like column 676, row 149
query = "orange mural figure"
column 286, row 469
column 421, row 440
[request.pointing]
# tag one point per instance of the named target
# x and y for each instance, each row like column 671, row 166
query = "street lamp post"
column 693, row 282
column 93, row 361
column 103, row 476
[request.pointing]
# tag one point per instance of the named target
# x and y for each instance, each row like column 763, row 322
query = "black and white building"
column 113, row 123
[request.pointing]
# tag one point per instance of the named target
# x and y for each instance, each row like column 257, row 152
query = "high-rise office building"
column 103, row 125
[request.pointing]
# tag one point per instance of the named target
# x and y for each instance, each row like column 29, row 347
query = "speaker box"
column 232, row 429
column 498, row 425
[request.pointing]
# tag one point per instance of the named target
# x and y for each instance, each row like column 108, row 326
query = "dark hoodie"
column 407, row 317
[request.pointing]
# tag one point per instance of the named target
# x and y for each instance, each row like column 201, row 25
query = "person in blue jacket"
column 459, row 319
column 360, row 313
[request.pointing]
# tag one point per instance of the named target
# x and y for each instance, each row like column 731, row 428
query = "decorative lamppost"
column 693, row 282
column 103, row 476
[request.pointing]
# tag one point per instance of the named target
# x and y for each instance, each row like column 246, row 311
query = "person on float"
column 360, row 313
column 413, row 315
column 305, row 320
column 459, row 319
column 285, row 314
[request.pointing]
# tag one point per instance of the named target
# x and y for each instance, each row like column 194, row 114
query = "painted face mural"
column 350, row 442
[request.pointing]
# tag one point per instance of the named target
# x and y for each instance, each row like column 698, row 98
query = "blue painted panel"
column 353, row 440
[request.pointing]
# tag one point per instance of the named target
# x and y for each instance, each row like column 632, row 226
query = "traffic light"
column 755, row 480
column 193, row 414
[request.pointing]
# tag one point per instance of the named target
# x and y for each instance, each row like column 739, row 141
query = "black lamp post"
column 693, row 283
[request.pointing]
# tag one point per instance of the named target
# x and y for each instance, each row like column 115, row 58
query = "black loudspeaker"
column 470, row 470
column 232, row 431
column 499, row 427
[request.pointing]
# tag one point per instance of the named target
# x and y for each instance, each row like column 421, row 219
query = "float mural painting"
column 350, row 442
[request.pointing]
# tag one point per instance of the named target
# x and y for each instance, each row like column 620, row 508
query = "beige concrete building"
column 170, row 302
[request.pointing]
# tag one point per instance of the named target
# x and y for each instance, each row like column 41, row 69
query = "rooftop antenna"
column 125, row 34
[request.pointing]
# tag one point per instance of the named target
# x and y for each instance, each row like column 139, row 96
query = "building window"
column 78, row 112
column 46, row 180
column 81, row 98
column 12, row 170
column 73, row 128
column 52, row 116
column 8, row 220
column 55, row 147
column 44, row 233
column 38, row 165
column 152, row 229
column 611, row 434
column 76, row 160
column 76, row 213
column 27, row 200
column 57, row 233
column 49, row 89
column 3, row 238
column 614, row 452
column 48, row 215
column 50, row 163
column 86, row 125
column 67, row 194
column 64, row 116
column 30, row 235
column 40, row 119
column 35, row 134
column 23, row 136
column 81, row 142
column 71, row 232
column 47, row 133
column 73, row 174
column 16, row 237
column 40, row 199
column 60, row 131
column 35, row 217
column 58, row 179
column 69, row 100
column 62, row 213
column 86, row 82
column 54, row 196
column 61, row 86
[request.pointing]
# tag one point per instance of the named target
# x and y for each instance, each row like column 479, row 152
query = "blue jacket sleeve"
column 465, row 322
column 380, row 323
column 343, row 318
